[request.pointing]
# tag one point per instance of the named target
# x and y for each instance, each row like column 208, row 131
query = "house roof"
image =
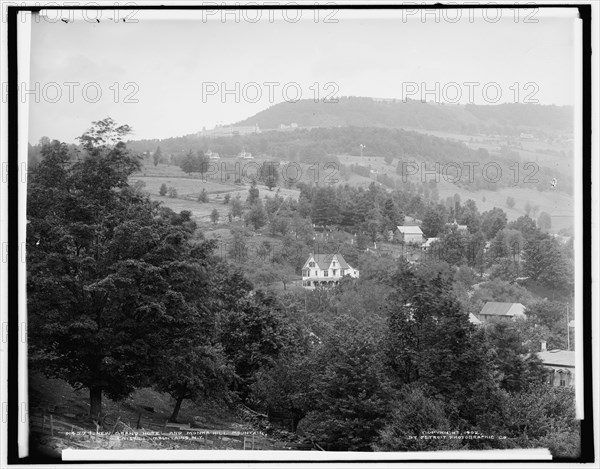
column 473, row 319
column 558, row 357
column 325, row 260
column 430, row 241
column 411, row 229
column 494, row 308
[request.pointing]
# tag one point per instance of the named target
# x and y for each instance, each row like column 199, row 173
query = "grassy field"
column 226, row 171
column 559, row 205
column 189, row 188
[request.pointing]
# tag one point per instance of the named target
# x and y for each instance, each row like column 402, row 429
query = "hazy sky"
column 177, row 70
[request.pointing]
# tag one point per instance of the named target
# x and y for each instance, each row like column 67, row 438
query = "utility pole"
column 568, row 330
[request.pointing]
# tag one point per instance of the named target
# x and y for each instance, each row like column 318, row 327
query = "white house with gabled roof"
column 326, row 270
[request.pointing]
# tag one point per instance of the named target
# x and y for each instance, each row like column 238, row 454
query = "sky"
column 168, row 77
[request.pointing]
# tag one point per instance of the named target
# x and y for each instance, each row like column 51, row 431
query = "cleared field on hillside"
column 189, row 188
column 543, row 153
column 559, row 205
column 228, row 170
column 184, row 186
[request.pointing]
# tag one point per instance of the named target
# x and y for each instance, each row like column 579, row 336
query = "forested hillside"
column 399, row 148
column 509, row 119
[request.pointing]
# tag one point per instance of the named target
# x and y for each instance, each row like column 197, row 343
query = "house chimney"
column 543, row 343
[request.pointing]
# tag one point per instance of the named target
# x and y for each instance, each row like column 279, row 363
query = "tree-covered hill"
column 324, row 145
column 510, row 119
column 314, row 144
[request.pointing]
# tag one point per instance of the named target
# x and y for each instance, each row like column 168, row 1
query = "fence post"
column 43, row 420
column 164, row 429
column 116, row 423
column 139, row 421
column 51, row 425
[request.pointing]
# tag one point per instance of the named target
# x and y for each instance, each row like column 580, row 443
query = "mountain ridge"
column 509, row 118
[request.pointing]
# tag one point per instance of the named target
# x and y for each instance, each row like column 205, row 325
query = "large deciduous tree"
column 546, row 262
column 430, row 341
column 269, row 174
column 156, row 157
column 514, row 370
column 434, row 220
column 493, row 221
column 325, row 207
column 346, row 396
column 101, row 261
column 251, row 328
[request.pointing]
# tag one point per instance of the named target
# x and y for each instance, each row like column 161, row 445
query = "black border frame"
column 14, row 265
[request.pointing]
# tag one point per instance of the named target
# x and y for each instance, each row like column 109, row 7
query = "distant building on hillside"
column 474, row 320
column 560, row 364
column 292, row 126
column 561, row 239
column 245, row 155
column 427, row 244
column 455, row 224
column 230, row 130
column 410, row 234
column 497, row 311
column 212, row 155
column 325, row 270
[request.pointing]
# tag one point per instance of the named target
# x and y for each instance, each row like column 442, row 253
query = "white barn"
column 411, row 234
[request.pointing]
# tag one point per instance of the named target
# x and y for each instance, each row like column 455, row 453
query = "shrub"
column 203, row 196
